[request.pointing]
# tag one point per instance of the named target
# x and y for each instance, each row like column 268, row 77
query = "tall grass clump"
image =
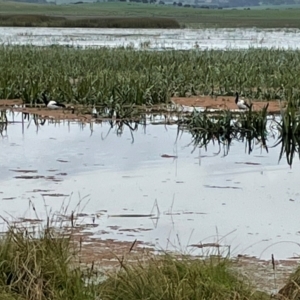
column 289, row 132
column 222, row 127
column 177, row 278
column 40, row 267
column 291, row 290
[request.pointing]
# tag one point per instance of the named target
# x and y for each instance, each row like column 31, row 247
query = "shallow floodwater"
column 153, row 39
column 249, row 202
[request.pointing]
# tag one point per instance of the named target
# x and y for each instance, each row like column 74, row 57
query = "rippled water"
column 249, row 202
column 153, row 39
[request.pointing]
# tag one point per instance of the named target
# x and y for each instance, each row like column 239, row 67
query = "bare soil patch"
column 10, row 102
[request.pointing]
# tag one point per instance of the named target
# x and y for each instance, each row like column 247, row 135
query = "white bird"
column 94, row 112
column 241, row 104
column 52, row 104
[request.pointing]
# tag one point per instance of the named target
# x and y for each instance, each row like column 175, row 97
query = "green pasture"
column 191, row 17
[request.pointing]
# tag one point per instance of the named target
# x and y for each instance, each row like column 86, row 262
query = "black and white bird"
column 52, row 104
column 241, row 103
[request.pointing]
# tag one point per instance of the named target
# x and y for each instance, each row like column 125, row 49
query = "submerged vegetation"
column 103, row 22
column 100, row 76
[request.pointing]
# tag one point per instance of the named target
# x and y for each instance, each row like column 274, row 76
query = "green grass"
column 179, row 278
column 40, row 268
column 185, row 16
column 44, row 265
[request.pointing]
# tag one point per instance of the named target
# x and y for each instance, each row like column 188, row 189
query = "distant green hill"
column 186, row 16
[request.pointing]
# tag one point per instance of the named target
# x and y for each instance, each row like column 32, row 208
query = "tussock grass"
column 177, row 278
column 291, row 291
column 39, row 268
column 103, row 22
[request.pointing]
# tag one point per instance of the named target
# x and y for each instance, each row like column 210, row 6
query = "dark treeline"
column 103, row 22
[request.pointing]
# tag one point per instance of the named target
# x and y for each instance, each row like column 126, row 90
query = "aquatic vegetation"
column 105, row 77
column 289, row 132
column 224, row 126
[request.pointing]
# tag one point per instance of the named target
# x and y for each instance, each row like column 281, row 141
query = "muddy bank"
column 82, row 114
column 109, row 254
column 225, row 102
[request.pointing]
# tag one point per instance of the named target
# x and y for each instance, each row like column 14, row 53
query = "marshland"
column 147, row 171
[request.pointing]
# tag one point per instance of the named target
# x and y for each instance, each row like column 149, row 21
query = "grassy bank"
column 110, row 77
column 103, row 22
column 192, row 17
column 49, row 268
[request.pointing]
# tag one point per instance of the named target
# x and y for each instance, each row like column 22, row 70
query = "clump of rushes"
column 177, row 278
column 252, row 127
column 224, row 126
column 289, row 132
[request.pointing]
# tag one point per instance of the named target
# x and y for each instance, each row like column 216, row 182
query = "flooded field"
column 150, row 186
column 153, row 39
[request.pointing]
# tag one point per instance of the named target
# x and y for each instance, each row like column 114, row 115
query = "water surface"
column 249, row 202
column 153, row 39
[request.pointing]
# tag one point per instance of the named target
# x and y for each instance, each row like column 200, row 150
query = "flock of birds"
column 52, row 104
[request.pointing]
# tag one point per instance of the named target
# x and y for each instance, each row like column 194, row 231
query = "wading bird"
column 241, row 104
column 52, row 104
column 94, row 112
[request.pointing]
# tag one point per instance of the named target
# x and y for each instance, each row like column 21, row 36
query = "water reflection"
column 221, row 129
